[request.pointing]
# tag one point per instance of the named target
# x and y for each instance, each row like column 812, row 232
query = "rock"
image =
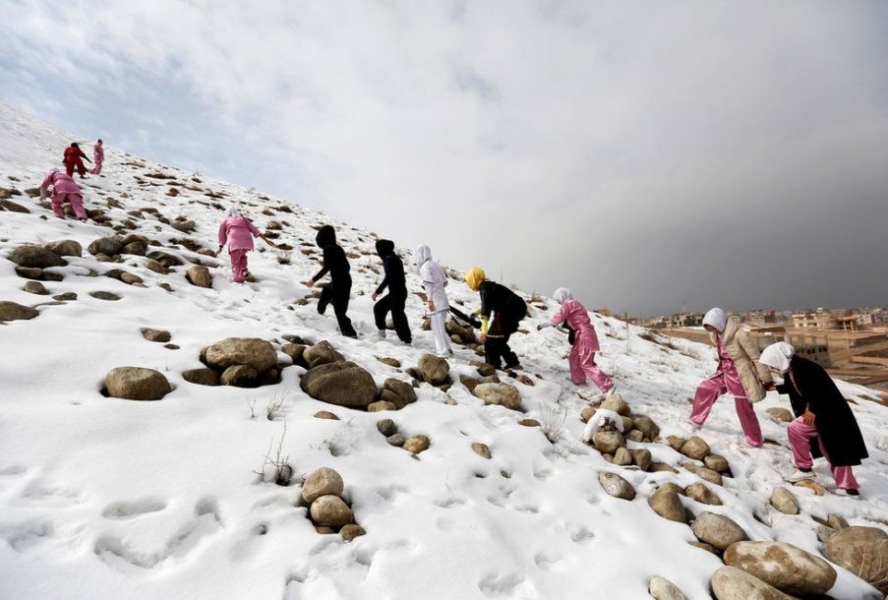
column 433, row 369
column 647, row 426
column 35, row 257
column 607, row 442
column 730, row 583
column 254, row 352
column 617, row 404
column 784, row 501
column 392, row 362
column 622, row 457
column 717, row 530
column 704, row 473
column 657, row 467
column 340, row 383
column 296, row 352
column 136, row 383
column 780, row 414
column 387, row 427
column 662, row 589
column 470, row 383
column 706, row 547
column 811, row 485
column 12, row 206
column 130, row 278
column 616, row 486
column 666, row 503
column 331, row 511
column 239, row 376
column 717, row 463
column 529, row 423
column 156, row 335
column 501, row 394
column 837, row 522
column 109, row 246
column 35, row 287
column 587, row 413
column 322, row 482
column 166, row 259
column 326, row 414
column 65, row 297
column 481, row 450
column 695, row 447
column 783, row 566
column 676, row 442
column 200, row 276
column 484, row 369
column 321, row 353
column 11, row 311
column 135, row 248
column 864, row 552
column 65, row 248
column 641, row 457
column 351, row 531
column 824, row 532
column 702, row 494
column 381, row 405
column 153, row 265
column 204, row 376
column 396, row 440
column 417, row 444
column 102, row 295
column 401, row 389
column 635, row 436
column 628, row 423
column 184, row 226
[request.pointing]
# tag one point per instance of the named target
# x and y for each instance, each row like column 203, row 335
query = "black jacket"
column 811, row 386
column 334, row 261
column 394, row 269
column 501, row 300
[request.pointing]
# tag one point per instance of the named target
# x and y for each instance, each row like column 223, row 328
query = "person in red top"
column 73, row 160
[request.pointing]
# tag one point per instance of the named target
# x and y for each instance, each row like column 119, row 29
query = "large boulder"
column 863, row 551
column 501, row 394
column 321, row 353
column 731, row 583
column 331, row 511
column 788, row 568
column 322, row 482
column 36, row 257
column 340, row 383
column 12, row 311
column 136, row 383
column 254, row 352
column 434, row 369
column 717, row 530
column 65, row 248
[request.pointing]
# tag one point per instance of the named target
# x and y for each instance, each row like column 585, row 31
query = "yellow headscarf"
column 475, row 277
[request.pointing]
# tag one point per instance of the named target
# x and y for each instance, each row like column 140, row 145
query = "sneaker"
column 848, row 493
column 800, row 475
column 322, row 306
column 694, row 425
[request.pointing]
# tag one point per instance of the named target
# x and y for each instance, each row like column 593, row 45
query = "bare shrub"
column 276, row 469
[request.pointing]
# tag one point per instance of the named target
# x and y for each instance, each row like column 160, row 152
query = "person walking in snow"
column 338, row 291
column 238, row 231
column 507, row 308
column 585, row 344
column 739, row 373
column 98, row 157
column 824, row 424
column 395, row 300
column 434, row 281
column 64, row 189
column 73, row 160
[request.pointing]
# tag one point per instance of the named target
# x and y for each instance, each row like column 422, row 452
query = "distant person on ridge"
column 238, row 231
column 98, row 157
column 395, row 300
column 63, row 190
column 508, row 309
column 582, row 354
column 738, row 374
column 73, row 160
column 824, row 424
column 338, row 291
column 434, row 281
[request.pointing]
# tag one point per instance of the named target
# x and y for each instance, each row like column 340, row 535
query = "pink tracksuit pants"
column 73, row 199
column 238, row 264
column 725, row 381
column 800, row 436
column 582, row 364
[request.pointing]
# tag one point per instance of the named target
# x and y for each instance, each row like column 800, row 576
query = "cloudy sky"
column 651, row 155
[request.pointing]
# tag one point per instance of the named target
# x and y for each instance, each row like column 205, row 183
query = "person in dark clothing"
column 74, row 160
column 508, row 309
column 336, row 292
column 396, row 298
column 824, row 424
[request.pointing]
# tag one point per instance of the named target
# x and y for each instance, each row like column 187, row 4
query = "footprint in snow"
column 127, row 510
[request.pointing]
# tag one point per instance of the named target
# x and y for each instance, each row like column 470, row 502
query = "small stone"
column 11, row 311
column 501, row 394
column 322, row 482
column 351, row 531
column 331, row 511
column 203, row 376
column 101, row 295
column 200, row 276
column 617, row 404
column 481, row 450
column 662, row 589
column 676, row 442
column 35, row 287
column 396, row 440
column 666, row 503
column 326, row 414
column 156, row 335
column 322, row 353
column 780, row 414
column 402, row 389
column 784, row 501
column 717, row 530
column 616, row 486
column 863, row 551
column 607, row 442
column 65, row 297
column 417, row 444
column 702, row 494
column 717, row 463
column 811, row 485
column 695, row 447
column 641, row 457
column 239, row 376
column 704, row 473
column 587, row 413
column 387, row 427
column 380, row 406
column 434, row 370
column 35, row 257
column 647, row 426
column 731, row 583
column 837, row 522
column 622, row 457
column 657, row 467
column 392, row 362
column 635, row 436
column 136, row 383
column 529, row 423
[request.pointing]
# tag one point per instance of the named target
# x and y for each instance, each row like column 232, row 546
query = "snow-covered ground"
column 108, row 498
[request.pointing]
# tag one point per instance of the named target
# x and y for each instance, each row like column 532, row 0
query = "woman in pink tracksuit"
column 98, row 157
column 238, row 232
column 582, row 355
column 63, row 190
column 738, row 374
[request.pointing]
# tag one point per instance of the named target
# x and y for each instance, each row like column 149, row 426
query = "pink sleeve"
column 47, row 181
column 252, row 228
column 560, row 316
column 223, row 232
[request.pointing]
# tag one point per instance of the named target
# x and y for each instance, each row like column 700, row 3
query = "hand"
column 308, row 283
column 373, row 296
column 482, row 338
column 808, row 417
column 431, row 306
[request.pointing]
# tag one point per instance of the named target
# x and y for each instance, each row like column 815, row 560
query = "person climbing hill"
column 395, row 300
column 98, row 157
column 338, row 291
column 73, row 160
column 507, row 308
column 238, row 231
column 434, row 281
column 64, row 189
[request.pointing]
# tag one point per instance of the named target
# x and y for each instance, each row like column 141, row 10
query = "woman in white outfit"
column 434, row 280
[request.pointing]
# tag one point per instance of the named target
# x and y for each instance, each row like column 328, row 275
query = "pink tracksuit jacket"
column 238, row 232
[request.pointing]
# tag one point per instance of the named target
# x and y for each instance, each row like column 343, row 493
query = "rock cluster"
column 323, row 491
column 414, row 444
column 239, row 362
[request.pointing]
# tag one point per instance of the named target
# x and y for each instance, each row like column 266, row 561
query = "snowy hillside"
column 108, row 498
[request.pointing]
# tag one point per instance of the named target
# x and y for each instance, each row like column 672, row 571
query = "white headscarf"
column 778, row 356
column 233, row 212
column 717, row 318
column 421, row 254
column 562, row 294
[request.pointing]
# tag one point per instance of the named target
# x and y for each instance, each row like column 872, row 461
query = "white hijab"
column 777, row 356
column 562, row 294
column 233, row 212
column 717, row 318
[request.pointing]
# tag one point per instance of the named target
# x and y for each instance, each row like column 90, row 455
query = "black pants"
column 338, row 295
column 395, row 304
column 496, row 348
